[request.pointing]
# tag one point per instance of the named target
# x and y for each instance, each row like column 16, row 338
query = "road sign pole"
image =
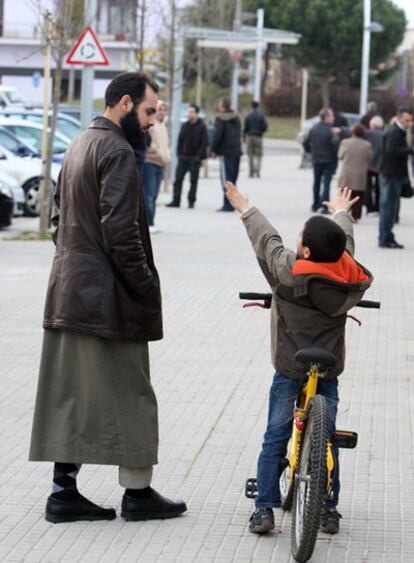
column 88, row 72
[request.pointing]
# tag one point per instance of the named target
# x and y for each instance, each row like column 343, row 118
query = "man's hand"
column 239, row 201
column 343, row 200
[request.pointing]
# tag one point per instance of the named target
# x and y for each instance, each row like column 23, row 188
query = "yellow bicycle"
column 306, row 474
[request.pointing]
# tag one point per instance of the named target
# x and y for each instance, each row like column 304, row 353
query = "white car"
column 67, row 126
column 16, row 190
column 26, row 171
column 31, row 134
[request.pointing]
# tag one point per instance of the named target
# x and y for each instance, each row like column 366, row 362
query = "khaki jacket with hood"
column 310, row 300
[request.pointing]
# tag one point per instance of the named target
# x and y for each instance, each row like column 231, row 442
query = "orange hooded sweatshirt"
column 345, row 270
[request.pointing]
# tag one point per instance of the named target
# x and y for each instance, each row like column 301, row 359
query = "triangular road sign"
column 87, row 50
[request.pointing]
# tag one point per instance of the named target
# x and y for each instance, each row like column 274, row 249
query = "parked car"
column 17, row 192
column 31, row 134
column 11, row 97
column 12, row 144
column 6, row 205
column 27, row 171
column 67, row 126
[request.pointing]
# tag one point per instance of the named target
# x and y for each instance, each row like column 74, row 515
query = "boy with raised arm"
column 313, row 289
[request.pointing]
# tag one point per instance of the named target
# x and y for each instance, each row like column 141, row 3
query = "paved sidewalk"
column 212, row 373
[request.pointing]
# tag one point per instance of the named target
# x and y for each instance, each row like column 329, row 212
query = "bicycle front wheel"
column 310, row 486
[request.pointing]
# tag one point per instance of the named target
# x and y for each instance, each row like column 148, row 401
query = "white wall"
column 26, row 88
column 22, row 17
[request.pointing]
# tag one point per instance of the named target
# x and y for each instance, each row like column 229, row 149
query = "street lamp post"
column 369, row 27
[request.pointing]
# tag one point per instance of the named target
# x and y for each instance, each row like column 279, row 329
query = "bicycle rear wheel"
column 310, row 485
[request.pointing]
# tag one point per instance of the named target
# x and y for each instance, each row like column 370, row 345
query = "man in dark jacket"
column 95, row 403
column 393, row 172
column 313, row 289
column 191, row 150
column 255, row 125
column 227, row 145
column 322, row 142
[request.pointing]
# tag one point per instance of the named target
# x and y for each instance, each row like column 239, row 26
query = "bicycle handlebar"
column 267, row 297
column 255, row 296
column 369, row 304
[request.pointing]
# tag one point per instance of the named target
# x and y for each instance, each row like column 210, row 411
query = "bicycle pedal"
column 250, row 489
column 345, row 439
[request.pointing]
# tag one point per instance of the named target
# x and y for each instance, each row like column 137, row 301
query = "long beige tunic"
column 95, row 402
column 355, row 154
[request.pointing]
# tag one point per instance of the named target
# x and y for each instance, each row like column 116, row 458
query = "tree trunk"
column 324, row 84
column 266, row 70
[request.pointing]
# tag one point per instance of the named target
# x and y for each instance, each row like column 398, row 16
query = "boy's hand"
column 239, row 201
column 343, row 200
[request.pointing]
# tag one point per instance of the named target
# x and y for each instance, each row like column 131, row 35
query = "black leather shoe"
column 172, row 204
column 153, row 507
column 191, row 205
column 225, row 209
column 392, row 244
column 73, row 510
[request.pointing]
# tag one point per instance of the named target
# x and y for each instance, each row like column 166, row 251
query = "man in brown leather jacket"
column 313, row 289
column 95, row 403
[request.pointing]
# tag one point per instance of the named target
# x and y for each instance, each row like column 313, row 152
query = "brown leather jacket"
column 103, row 279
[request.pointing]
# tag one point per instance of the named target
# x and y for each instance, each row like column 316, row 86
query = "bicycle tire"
column 286, row 487
column 310, row 481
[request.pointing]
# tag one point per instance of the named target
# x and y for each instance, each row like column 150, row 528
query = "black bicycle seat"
column 317, row 355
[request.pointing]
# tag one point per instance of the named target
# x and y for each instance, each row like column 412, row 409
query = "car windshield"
column 33, row 138
column 67, row 128
column 9, row 143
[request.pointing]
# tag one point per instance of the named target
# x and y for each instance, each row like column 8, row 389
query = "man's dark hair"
column 226, row 103
column 325, row 239
column 323, row 114
column 255, row 105
column 132, row 84
column 195, row 107
column 404, row 109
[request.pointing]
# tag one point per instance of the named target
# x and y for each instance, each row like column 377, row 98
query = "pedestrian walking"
column 255, row 125
column 191, row 151
column 227, row 146
column 374, row 136
column 95, row 402
column 322, row 142
column 157, row 156
column 393, row 172
column 355, row 154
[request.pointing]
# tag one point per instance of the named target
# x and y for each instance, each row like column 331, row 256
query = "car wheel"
column 31, row 195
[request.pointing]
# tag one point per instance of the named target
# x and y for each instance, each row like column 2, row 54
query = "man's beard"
column 131, row 127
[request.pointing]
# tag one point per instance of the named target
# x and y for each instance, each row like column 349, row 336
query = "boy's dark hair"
column 255, row 105
column 195, row 107
column 324, row 238
column 132, row 84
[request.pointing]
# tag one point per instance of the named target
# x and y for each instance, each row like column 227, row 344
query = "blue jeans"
column 283, row 394
column 390, row 193
column 152, row 176
column 229, row 171
column 323, row 170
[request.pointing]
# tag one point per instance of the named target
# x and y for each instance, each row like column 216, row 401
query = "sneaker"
column 172, row 204
column 391, row 244
column 330, row 521
column 261, row 521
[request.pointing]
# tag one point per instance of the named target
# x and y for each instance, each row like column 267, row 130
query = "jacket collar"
column 102, row 122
